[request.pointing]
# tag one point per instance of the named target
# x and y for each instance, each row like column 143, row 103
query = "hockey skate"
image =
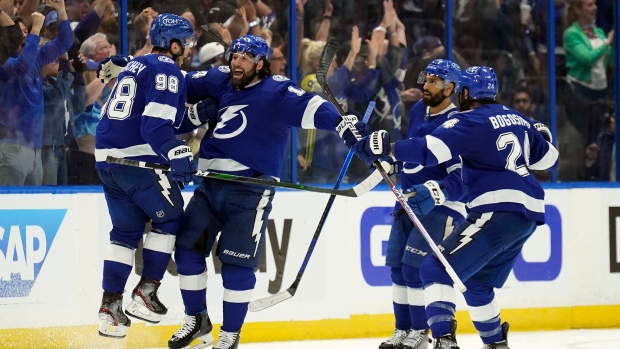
column 448, row 341
column 145, row 305
column 416, row 340
column 394, row 341
column 227, row 340
column 194, row 327
column 114, row 323
column 501, row 344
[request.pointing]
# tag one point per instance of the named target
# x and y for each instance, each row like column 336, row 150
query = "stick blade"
column 327, row 55
column 264, row 303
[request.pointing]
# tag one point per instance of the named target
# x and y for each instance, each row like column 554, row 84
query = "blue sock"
column 415, row 297
column 399, row 300
column 239, row 283
column 192, row 268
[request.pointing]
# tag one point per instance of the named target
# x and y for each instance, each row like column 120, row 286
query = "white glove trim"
column 181, row 151
column 347, row 122
column 192, row 113
column 436, row 192
column 542, row 128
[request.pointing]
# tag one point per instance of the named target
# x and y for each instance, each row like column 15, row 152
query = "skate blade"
column 203, row 342
column 107, row 329
column 140, row 311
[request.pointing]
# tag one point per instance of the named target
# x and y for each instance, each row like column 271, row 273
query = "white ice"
column 568, row 339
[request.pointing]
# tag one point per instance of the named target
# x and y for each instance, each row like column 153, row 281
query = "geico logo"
column 182, row 151
column 22, row 251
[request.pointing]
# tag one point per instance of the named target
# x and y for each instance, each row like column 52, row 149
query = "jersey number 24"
column 509, row 139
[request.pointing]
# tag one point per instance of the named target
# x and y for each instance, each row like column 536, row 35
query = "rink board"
column 52, row 247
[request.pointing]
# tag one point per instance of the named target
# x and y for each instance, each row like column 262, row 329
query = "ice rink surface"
column 569, row 339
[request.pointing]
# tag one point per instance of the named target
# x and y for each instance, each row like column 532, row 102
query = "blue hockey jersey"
column 254, row 122
column 448, row 174
column 498, row 147
column 142, row 112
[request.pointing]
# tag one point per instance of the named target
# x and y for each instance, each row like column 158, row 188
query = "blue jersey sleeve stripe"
column 136, row 150
column 547, row 161
column 438, row 148
column 162, row 111
column 307, row 121
column 509, row 195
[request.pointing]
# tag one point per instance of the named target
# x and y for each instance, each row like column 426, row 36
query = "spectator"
column 522, row 102
column 211, row 55
column 278, row 62
column 10, row 36
column 56, row 84
column 81, row 161
column 591, row 169
column 22, row 109
column 588, row 50
column 606, row 142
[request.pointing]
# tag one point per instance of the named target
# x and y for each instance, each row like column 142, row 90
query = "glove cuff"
column 436, row 192
column 192, row 114
column 347, row 123
column 544, row 130
column 175, row 149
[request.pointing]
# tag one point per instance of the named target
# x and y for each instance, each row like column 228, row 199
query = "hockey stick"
column 329, row 51
column 264, row 303
column 358, row 190
column 201, row 20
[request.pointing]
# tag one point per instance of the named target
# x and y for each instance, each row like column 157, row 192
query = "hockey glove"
column 544, row 130
column 205, row 113
column 111, row 67
column 422, row 198
column 374, row 147
column 344, row 129
column 182, row 165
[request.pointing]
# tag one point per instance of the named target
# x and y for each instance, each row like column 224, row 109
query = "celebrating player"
column 406, row 247
column 257, row 111
column 138, row 122
column 498, row 147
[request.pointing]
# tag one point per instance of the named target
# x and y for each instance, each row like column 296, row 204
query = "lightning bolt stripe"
column 165, row 187
column 258, row 221
column 471, row 230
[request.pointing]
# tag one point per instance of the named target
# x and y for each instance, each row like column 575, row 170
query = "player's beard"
column 244, row 80
column 433, row 100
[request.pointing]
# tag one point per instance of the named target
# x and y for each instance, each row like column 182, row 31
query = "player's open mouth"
column 426, row 94
column 238, row 73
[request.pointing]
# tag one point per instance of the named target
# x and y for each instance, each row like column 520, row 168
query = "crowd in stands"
column 50, row 98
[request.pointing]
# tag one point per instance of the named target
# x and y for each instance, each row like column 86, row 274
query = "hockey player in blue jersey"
column 257, row 111
column 406, row 247
column 138, row 122
column 498, row 147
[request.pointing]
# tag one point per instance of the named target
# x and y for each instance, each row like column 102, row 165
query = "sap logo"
column 26, row 237
column 376, row 223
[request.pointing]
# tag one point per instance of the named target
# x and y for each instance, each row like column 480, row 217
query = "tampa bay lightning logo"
column 232, row 122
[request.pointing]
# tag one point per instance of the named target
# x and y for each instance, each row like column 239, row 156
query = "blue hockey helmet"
column 481, row 82
column 253, row 44
column 167, row 27
column 443, row 68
